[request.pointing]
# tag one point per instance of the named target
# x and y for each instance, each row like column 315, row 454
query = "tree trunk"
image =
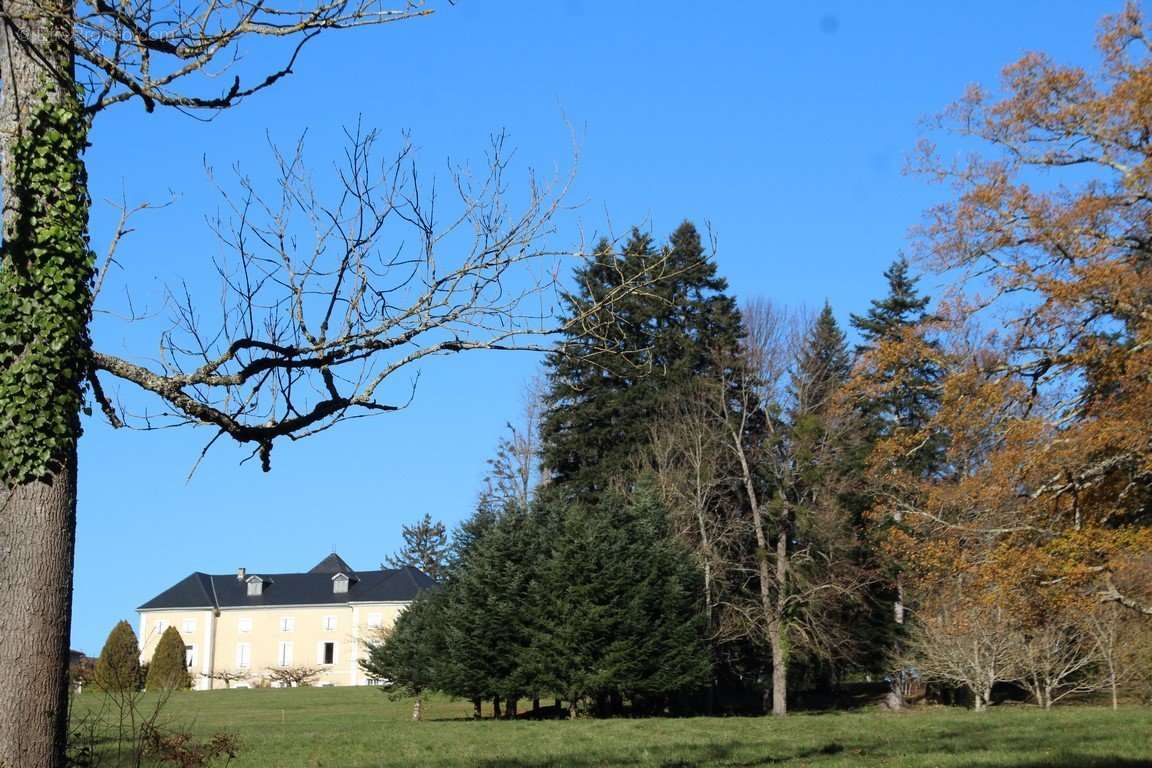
column 778, row 630
column 496, row 707
column 772, row 617
column 477, row 712
column 37, row 536
column 38, row 466
column 418, row 708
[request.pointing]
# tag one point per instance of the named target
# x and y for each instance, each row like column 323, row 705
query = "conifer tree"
column 903, row 394
column 409, row 658
column 601, row 406
column 168, row 669
column 425, row 547
column 616, row 610
column 897, row 382
column 118, row 668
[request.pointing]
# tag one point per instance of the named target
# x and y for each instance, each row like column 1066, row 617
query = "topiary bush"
column 168, row 669
column 118, row 668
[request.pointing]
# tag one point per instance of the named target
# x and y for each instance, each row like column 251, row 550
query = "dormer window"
column 255, row 586
column 340, row 584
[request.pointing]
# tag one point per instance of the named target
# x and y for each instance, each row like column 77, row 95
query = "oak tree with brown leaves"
column 1045, row 342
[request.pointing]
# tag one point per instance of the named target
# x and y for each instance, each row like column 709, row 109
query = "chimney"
column 240, row 574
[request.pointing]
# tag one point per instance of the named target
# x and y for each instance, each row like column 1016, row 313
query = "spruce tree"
column 601, row 404
column 168, row 669
column 903, row 385
column 898, row 377
column 425, row 547
column 118, row 668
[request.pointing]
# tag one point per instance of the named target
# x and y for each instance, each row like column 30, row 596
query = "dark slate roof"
column 332, row 564
column 203, row 590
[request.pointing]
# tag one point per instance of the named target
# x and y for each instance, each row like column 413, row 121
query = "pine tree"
column 601, row 405
column 118, row 668
column 168, row 669
column 425, row 547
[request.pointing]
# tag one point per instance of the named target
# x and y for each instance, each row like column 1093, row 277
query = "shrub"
column 118, row 668
column 169, row 666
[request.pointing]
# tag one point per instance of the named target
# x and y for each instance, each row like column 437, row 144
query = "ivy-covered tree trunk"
column 45, row 307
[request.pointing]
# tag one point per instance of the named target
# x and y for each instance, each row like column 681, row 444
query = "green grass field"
column 362, row 728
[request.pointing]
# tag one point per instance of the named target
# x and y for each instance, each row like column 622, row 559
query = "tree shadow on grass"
column 696, row 756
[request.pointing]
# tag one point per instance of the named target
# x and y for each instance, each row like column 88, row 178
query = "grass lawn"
column 362, row 728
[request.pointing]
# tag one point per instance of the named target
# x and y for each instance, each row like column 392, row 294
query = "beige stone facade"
column 250, row 624
column 329, row 638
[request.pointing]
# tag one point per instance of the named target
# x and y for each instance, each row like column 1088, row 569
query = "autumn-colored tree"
column 1046, row 340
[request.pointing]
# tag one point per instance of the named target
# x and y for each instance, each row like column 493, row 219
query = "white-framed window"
column 287, row 624
column 326, row 653
column 243, row 655
column 255, row 586
column 339, row 583
column 375, row 620
column 284, row 653
column 160, row 625
column 329, row 623
column 190, row 656
column 189, row 625
column 244, row 626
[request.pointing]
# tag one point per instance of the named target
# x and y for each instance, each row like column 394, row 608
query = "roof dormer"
column 255, row 586
column 340, row 583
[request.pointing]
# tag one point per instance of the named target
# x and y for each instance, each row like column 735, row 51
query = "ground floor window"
column 328, row 654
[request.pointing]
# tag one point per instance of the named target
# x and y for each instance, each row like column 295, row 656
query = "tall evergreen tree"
column 118, row 668
column 898, row 376
column 901, row 383
column 902, row 308
column 601, row 406
column 822, row 367
column 616, row 610
column 409, row 659
column 425, row 547
column 168, row 669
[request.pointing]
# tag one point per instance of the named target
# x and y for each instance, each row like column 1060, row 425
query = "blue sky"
column 785, row 126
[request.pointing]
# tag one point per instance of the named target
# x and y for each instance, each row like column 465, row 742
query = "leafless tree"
column 67, row 62
column 1123, row 645
column 801, row 575
column 688, row 455
column 290, row 676
column 1057, row 659
column 514, row 473
column 322, row 305
column 229, row 676
column 962, row 642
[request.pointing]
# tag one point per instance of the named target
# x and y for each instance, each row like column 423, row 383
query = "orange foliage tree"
column 1044, row 500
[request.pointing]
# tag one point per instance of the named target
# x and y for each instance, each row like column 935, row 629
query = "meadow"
column 363, row 728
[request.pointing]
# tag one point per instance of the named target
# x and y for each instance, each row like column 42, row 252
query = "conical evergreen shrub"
column 169, row 669
column 118, row 668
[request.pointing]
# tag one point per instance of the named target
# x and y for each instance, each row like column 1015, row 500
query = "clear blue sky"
column 784, row 125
